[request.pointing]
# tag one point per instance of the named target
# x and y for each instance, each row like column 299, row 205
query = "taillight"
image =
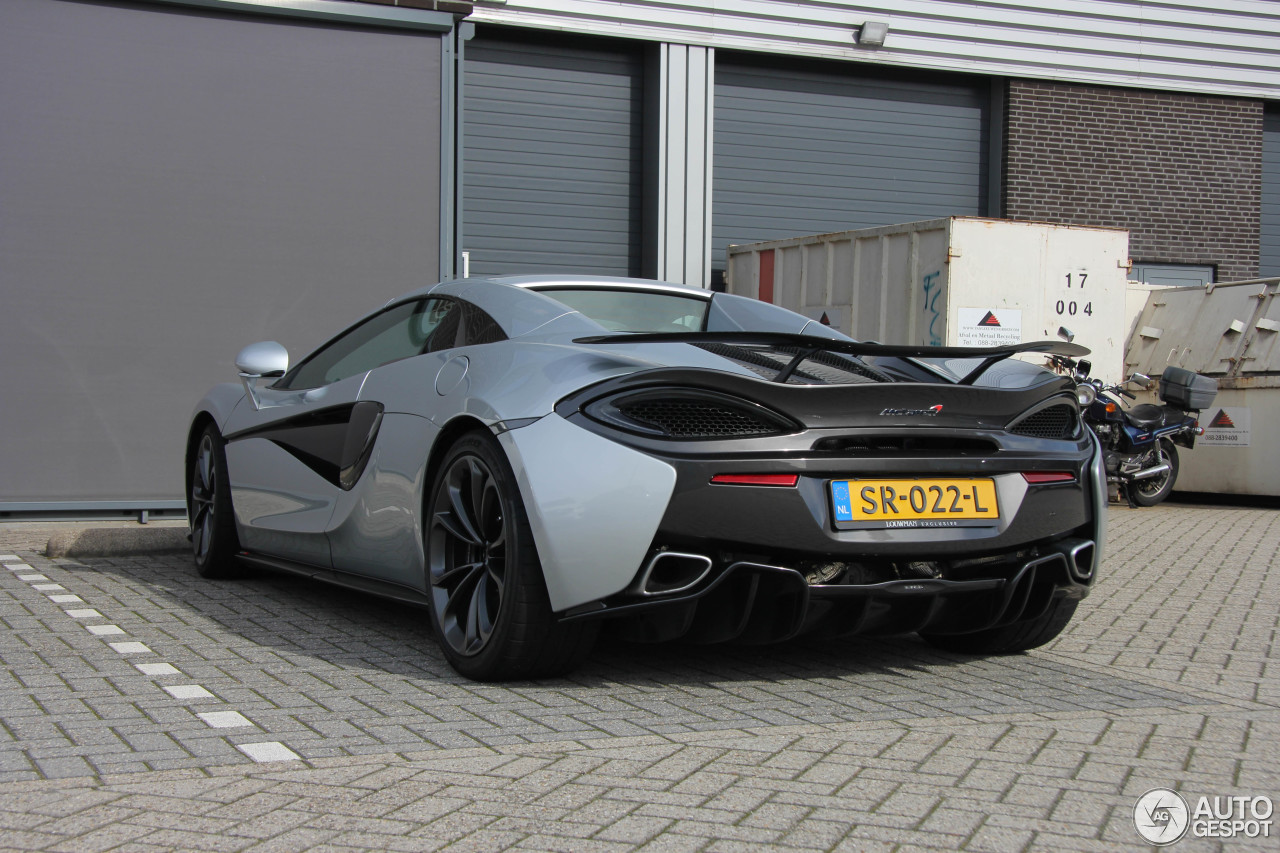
column 1040, row 478
column 756, row 479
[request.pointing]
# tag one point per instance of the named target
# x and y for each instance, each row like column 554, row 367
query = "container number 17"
column 1071, row 307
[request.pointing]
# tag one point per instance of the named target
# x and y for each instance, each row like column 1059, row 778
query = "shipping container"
column 1229, row 332
column 958, row 281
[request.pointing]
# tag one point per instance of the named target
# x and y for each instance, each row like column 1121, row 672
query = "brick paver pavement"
column 1167, row 678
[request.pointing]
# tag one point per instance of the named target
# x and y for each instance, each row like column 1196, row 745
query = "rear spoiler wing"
column 808, row 345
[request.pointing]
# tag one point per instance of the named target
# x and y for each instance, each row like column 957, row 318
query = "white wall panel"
column 684, row 164
column 1229, row 47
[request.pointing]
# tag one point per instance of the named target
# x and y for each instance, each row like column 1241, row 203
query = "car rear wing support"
column 809, row 345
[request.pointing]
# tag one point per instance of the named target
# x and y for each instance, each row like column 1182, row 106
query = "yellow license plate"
column 925, row 502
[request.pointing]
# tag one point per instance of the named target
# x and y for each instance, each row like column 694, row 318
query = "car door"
column 375, row 530
column 291, row 458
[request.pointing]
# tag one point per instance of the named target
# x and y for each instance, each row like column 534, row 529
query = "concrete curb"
column 118, row 541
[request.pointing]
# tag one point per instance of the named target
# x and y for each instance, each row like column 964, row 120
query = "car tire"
column 1153, row 490
column 489, row 604
column 1008, row 639
column 214, row 542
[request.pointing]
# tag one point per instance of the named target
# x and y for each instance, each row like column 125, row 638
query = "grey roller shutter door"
column 552, row 158
column 1270, row 254
column 802, row 151
column 175, row 184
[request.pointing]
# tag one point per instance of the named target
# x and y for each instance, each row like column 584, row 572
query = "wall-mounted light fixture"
column 872, row 34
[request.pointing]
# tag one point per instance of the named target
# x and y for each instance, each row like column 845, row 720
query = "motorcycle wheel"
column 1153, row 490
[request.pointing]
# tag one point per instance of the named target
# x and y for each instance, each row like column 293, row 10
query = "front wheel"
column 214, row 542
column 489, row 605
column 1153, row 490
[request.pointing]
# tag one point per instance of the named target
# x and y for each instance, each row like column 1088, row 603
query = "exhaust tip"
column 1081, row 561
column 671, row 571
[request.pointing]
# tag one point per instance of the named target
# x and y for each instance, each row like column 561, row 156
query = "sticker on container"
column 1228, row 426
column 990, row 327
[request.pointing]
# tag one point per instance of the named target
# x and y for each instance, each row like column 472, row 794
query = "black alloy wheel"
column 489, row 604
column 213, row 532
column 469, row 566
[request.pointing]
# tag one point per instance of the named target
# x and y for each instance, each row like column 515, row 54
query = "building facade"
column 183, row 177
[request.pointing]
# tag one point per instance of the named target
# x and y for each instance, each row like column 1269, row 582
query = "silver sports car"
column 533, row 457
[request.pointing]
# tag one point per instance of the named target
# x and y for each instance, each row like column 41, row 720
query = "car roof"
column 552, row 282
column 547, row 282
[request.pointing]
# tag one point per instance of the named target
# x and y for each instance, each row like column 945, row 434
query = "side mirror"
column 1066, row 334
column 1142, row 380
column 255, row 361
column 267, row 358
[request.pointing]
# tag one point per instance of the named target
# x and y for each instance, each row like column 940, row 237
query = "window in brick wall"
column 1270, row 220
column 1171, row 275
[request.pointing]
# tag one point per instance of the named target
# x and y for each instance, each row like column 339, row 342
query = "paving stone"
column 1167, row 677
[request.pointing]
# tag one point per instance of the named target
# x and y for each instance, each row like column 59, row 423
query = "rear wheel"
column 1018, row 637
column 213, row 528
column 1153, row 490
column 489, row 604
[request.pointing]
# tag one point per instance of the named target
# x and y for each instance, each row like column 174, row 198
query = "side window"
column 399, row 332
column 480, row 328
column 443, row 317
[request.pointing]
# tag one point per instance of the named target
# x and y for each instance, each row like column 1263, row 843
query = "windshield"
column 634, row 310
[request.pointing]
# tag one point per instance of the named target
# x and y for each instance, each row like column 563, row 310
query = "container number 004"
column 1069, row 307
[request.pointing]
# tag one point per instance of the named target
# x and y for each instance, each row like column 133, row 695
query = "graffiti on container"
column 932, row 290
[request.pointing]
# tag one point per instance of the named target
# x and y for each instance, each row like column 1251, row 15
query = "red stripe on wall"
column 766, row 276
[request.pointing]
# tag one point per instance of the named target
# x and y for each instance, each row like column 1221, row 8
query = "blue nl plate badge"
column 844, row 506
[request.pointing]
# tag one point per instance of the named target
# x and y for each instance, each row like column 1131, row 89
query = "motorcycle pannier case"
column 1187, row 389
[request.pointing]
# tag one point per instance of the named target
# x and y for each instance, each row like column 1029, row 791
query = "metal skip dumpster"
column 958, row 281
column 1230, row 332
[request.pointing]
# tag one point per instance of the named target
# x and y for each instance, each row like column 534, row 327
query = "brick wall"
column 1181, row 172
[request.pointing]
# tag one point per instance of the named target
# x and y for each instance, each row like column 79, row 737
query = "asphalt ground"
column 146, row 709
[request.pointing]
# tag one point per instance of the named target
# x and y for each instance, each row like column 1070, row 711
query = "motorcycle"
column 1140, row 444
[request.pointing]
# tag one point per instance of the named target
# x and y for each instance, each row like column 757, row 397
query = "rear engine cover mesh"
column 696, row 418
column 1057, row 422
